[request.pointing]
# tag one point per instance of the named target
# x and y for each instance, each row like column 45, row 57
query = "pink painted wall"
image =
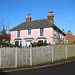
column 48, row 34
column 34, row 34
column 13, row 36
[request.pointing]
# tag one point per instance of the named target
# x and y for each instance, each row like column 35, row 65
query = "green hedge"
column 8, row 45
column 74, row 42
column 38, row 44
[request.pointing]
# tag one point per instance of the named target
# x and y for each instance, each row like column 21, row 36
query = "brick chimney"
column 28, row 17
column 68, row 32
column 50, row 17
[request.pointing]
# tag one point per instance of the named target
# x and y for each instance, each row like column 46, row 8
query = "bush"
column 34, row 44
column 40, row 43
column 74, row 42
column 8, row 45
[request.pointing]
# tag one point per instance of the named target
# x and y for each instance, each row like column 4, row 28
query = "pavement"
column 60, row 62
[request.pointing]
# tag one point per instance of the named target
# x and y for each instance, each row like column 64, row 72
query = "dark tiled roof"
column 43, row 23
column 32, row 25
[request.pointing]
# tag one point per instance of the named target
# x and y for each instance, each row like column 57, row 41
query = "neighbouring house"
column 37, row 30
column 69, row 38
column 5, row 38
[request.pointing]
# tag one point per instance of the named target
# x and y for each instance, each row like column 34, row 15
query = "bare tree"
column 58, row 37
column 4, row 25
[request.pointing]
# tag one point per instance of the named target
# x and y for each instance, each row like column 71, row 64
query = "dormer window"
column 18, row 33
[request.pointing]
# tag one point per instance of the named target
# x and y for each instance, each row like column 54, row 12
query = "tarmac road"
column 64, row 69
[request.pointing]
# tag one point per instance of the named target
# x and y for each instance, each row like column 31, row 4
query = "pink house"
column 36, row 30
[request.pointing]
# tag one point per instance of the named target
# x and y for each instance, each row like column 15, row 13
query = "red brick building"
column 69, row 38
column 5, row 37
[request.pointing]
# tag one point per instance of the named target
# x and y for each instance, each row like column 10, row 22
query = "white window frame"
column 27, row 39
column 43, row 34
column 42, row 40
column 17, row 40
column 27, row 32
column 16, row 33
column 67, row 41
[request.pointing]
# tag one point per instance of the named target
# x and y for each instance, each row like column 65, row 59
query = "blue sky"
column 15, row 11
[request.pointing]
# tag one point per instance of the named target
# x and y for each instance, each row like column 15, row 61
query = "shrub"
column 74, row 42
column 34, row 44
column 40, row 43
column 8, row 45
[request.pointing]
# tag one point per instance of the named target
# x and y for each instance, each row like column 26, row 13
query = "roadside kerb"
column 43, row 66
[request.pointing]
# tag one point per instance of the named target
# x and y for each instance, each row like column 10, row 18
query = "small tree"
column 4, row 25
column 57, row 36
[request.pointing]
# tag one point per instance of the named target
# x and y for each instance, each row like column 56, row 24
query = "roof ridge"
column 28, row 21
column 34, row 20
column 38, row 20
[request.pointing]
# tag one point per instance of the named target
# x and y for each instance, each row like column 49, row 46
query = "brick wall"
column 70, row 37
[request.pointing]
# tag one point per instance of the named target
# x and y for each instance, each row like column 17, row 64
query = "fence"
column 14, row 57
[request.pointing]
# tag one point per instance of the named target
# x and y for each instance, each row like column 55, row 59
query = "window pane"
column 29, row 31
column 18, row 33
column 41, row 31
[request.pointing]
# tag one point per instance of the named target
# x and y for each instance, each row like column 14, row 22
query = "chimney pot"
column 69, row 31
column 50, row 16
column 50, row 13
column 28, row 17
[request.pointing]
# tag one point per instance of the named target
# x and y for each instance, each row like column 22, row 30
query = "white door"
column 28, row 43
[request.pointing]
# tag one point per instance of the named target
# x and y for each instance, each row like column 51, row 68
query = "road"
column 65, row 69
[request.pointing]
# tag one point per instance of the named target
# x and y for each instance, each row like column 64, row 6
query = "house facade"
column 5, row 38
column 69, row 38
column 36, row 30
